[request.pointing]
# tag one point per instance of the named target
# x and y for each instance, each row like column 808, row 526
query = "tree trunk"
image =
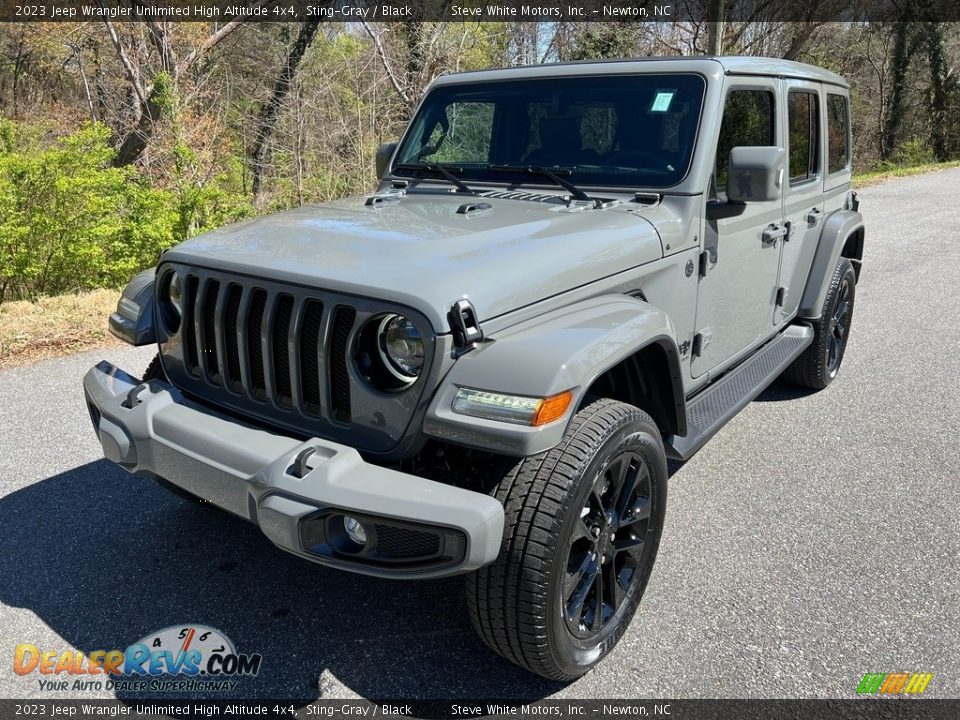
column 137, row 139
column 271, row 108
column 937, row 60
column 715, row 38
column 413, row 36
column 897, row 110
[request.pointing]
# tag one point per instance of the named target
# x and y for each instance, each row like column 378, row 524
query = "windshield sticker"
column 661, row 103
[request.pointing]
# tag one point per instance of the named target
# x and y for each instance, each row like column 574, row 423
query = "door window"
column 748, row 119
column 803, row 117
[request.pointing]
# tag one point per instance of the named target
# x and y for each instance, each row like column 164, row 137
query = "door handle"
column 813, row 217
column 772, row 234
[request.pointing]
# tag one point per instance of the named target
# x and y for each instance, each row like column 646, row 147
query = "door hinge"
column 781, row 296
column 701, row 341
column 684, row 348
column 772, row 234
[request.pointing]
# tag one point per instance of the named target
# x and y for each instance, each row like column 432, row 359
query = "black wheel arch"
column 650, row 379
column 853, row 249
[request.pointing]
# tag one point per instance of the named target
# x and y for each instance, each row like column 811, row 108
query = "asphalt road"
column 816, row 538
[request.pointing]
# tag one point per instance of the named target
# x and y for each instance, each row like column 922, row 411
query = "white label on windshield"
column 661, row 103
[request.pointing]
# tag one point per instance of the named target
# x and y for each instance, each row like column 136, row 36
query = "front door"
column 738, row 286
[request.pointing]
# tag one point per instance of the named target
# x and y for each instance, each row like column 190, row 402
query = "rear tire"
column 819, row 364
column 582, row 528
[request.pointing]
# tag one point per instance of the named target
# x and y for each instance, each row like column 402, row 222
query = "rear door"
column 802, row 105
column 739, row 266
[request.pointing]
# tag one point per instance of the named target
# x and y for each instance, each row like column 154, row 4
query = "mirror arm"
column 717, row 210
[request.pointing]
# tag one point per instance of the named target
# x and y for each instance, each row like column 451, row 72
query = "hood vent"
column 521, row 195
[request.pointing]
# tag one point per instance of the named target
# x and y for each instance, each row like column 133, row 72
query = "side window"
column 803, row 118
column 838, row 148
column 747, row 120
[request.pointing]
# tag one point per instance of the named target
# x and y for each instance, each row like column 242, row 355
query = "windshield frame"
column 527, row 180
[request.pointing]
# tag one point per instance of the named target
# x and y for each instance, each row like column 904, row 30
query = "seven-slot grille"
column 268, row 345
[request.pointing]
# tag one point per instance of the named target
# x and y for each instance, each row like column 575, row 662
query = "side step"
column 709, row 410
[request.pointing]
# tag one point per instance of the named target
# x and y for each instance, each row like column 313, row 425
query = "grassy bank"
column 872, row 177
column 54, row 326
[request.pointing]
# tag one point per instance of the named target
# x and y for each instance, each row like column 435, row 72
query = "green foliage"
column 70, row 220
column 915, row 151
column 164, row 92
column 205, row 206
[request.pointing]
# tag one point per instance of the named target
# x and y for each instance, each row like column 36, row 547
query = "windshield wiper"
column 576, row 192
column 438, row 168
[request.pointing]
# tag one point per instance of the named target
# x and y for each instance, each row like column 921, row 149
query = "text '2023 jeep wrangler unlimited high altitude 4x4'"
column 567, row 275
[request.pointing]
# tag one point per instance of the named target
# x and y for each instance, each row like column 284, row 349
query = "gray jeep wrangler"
column 567, row 275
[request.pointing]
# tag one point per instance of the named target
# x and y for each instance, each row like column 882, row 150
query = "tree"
column 270, row 109
column 904, row 47
column 151, row 87
column 940, row 85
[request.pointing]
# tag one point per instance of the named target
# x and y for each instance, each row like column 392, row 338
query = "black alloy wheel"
column 609, row 546
column 582, row 525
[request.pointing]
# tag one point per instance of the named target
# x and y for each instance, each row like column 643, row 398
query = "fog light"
column 355, row 530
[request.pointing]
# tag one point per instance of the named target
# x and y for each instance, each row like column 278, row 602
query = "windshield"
column 621, row 131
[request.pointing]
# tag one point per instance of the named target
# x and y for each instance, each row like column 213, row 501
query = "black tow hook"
column 300, row 469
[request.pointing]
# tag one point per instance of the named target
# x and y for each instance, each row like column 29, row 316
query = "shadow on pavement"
column 781, row 391
column 104, row 558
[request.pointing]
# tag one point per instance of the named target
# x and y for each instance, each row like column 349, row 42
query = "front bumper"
column 150, row 428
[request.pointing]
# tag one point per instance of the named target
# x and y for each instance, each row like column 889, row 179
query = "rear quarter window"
column 838, row 133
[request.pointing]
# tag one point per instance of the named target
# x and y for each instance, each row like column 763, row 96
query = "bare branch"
column 132, row 75
column 213, row 41
column 161, row 42
column 381, row 53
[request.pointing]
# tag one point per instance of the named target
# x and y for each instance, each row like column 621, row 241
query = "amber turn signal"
column 552, row 408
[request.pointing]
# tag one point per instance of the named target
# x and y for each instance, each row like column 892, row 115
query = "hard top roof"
column 731, row 65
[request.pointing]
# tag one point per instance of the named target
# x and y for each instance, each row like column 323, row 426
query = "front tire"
column 582, row 528
column 154, row 370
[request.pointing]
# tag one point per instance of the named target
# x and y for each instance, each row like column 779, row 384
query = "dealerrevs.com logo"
column 899, row 683
column 180, row 658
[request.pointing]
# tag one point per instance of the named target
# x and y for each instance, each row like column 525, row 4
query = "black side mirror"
column 384, row 153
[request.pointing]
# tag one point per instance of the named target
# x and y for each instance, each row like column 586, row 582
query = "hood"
column 420, row 252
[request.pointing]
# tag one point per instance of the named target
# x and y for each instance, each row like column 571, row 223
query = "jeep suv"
column 567, row 275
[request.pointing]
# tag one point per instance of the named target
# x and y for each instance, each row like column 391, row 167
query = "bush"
column 913, row 152
column 69, row 220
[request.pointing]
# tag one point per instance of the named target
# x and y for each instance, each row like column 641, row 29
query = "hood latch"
column 464, row 324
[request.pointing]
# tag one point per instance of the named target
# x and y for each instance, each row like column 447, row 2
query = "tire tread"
column 507, row 600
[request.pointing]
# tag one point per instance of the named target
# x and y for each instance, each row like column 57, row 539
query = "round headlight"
column 170, row 301
column 401, row 347
column 176, row 296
